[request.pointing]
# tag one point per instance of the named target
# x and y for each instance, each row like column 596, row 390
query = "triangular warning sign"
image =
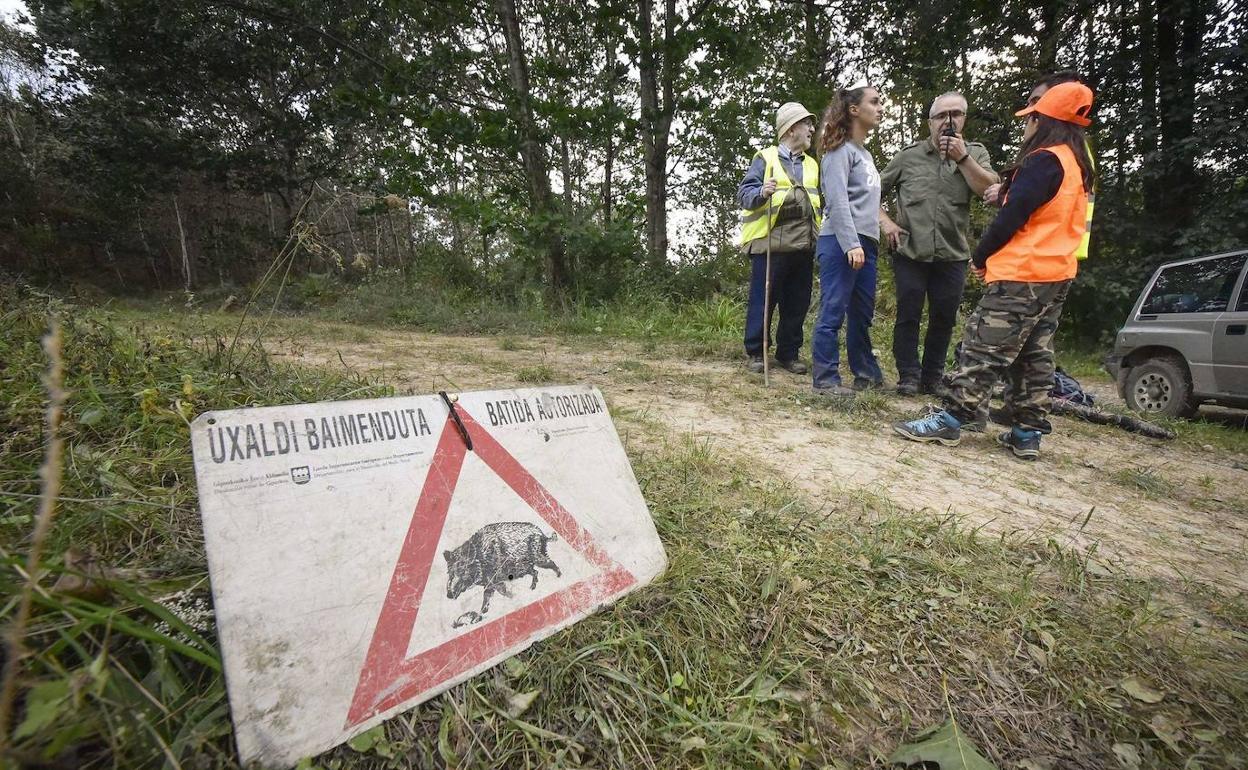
column 388, row 678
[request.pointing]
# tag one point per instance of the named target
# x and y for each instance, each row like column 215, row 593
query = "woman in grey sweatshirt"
column 848, row 242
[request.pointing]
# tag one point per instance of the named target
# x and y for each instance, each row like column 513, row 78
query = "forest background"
column 545, row 154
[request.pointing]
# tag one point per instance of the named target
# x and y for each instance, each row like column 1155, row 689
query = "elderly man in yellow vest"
column 781, row 212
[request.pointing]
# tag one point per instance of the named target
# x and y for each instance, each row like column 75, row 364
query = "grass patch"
column 116, row 677
column 1213, row 428
column 783, row 635
column 537, row 374
column 1145, row 480
column 1084, row 364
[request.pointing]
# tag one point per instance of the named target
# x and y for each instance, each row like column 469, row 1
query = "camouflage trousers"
column 1010, row 335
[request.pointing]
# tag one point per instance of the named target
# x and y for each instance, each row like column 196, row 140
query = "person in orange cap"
column 1028, row 259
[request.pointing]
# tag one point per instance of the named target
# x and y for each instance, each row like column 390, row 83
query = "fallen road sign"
column 364, row 558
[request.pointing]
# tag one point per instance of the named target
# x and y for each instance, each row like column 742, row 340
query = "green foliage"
column 314, row 291
column 416, row 102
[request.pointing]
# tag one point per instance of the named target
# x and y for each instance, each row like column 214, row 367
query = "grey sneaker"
column 795, row 366
column 939, row 427
column 1025, row 444
column 755, row 365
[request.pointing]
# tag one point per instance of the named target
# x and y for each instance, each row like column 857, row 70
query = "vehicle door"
column 1230, row 343
column 1182, row 307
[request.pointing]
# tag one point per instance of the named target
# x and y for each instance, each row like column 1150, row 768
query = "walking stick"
column 767, row 295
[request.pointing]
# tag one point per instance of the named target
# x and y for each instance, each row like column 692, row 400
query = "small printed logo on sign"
column 301, row 475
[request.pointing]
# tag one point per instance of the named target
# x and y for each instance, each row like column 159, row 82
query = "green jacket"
column 933, row 201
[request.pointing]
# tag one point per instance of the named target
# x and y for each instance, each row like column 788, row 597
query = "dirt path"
column 1156, row 508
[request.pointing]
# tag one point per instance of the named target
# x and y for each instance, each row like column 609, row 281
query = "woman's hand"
column 857, row 257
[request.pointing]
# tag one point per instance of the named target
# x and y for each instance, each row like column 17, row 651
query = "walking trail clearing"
column 1163, row 509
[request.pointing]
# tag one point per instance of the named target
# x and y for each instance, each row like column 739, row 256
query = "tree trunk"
column 566, row 170
column 457, row 227
column 607, row 172
column 1119, row 67
column 816, row 43
column 533, row 156
column 187, row 269
column 1148, row 107
column 1180, row 29
column 1052, row 13
column 656, row 122
column 608, row 109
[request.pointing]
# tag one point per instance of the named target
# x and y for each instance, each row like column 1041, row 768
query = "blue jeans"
column 792, row 274
column 844, row 292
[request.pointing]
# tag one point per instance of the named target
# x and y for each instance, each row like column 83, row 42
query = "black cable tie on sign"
column 463, row 429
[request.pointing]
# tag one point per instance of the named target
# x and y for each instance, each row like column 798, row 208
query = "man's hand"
column 893, row 232
column 769, row 187
column 991, row 193
column 857, row 257
column 953, row 147
column 980, row 272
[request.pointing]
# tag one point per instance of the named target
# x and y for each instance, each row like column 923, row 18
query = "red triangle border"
column 387, row 678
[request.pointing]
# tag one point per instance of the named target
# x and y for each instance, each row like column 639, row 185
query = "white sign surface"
column 364, row 558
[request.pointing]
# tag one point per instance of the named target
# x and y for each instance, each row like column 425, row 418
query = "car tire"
column 1161, row 387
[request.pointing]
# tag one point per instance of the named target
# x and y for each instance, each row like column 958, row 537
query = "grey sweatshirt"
column 851, row 195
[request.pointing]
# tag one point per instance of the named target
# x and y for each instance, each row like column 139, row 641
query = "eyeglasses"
column 948, row 115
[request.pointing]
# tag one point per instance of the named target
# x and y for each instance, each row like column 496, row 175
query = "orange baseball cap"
column 1070, row 102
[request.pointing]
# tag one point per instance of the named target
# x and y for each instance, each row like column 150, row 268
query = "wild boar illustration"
column 495, row 555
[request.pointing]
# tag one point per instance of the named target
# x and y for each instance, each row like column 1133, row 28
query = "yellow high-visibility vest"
column 755, row 222
column 1082, row 251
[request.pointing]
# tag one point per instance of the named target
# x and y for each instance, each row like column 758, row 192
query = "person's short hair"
column 932, row 104
column 1057, row 78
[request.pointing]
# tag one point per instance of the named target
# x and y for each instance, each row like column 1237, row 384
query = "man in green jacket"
column 934, row 181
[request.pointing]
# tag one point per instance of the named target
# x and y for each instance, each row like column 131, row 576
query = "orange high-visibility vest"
column 1044, row 249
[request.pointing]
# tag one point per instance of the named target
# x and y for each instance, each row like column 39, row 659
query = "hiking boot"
column 977, row 425
column 755, row 365
column 933, row 388
column 795, row 366
column 1025, row 444
column 862, row 383
column 939, row 427
column 908, row 388
column 835, row 391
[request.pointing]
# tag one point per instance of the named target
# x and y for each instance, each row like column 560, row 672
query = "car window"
column 1196, row 287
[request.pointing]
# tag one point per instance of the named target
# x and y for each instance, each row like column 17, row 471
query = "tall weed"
column 123, row 670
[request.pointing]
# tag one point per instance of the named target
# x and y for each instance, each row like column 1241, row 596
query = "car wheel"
column 1161, row 386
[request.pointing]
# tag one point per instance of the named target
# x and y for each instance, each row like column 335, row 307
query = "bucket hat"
column 789, row 114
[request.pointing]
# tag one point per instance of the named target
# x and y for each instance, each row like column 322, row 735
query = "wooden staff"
column 767, row 290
